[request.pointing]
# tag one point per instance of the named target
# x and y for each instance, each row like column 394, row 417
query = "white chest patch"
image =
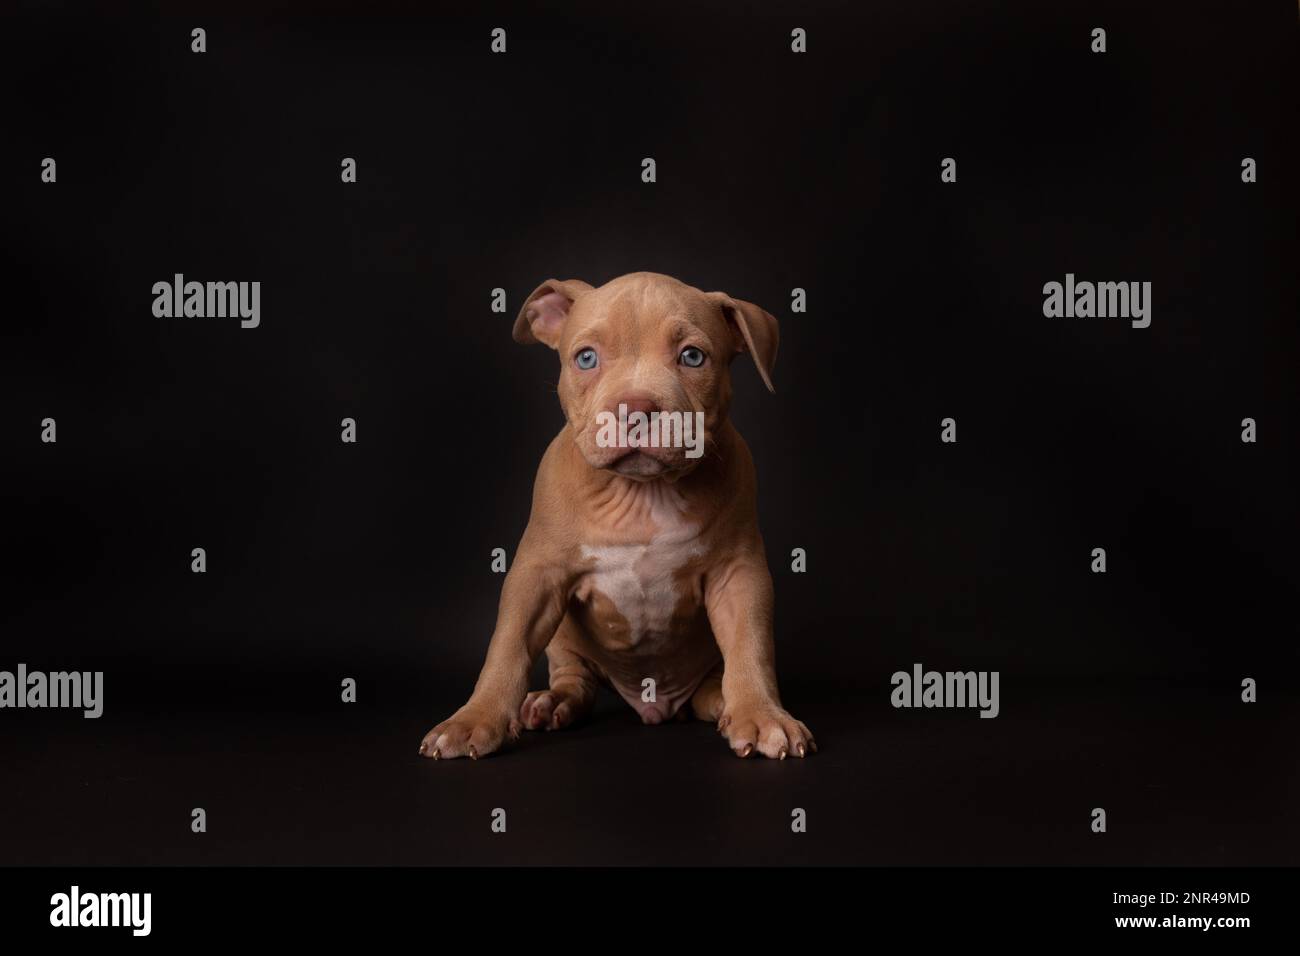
column 638, row 579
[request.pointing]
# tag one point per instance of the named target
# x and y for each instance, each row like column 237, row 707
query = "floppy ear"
column 545, row 311
column 755, row 330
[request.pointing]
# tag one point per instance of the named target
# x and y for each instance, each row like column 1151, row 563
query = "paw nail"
column 781, row 754
column 749, row 749
column 473, row 754
column 803, row 751
column 436, row 753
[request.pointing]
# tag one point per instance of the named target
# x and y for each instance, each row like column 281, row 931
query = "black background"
column 775, row 171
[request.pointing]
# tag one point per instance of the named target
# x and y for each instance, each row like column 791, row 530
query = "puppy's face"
column 645, row 366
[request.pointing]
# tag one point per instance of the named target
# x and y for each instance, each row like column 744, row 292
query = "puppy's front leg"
column 739, row 602
column 532, row 606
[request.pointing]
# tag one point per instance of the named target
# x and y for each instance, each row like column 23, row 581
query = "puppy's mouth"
column 643, row 446
column 635, row 463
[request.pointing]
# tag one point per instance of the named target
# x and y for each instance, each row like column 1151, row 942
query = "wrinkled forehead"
column 629, row 313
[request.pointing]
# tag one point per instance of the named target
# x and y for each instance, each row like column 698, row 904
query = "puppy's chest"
column 637, row 591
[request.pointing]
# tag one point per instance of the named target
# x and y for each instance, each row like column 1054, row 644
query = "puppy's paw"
column 549, row 710
column 470, row 732
column 765, row 729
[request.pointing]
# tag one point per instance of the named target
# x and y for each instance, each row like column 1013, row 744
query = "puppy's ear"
column 545, row 311
column 755, row 331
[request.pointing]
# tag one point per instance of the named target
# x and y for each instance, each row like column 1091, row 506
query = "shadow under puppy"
column 642, row 560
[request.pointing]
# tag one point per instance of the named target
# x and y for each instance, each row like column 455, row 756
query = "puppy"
column 642, row 567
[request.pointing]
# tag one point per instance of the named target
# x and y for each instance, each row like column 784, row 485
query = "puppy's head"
column 645, row 348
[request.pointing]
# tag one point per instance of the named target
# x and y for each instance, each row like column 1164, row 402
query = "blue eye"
column 586, row 359
column 691, row 357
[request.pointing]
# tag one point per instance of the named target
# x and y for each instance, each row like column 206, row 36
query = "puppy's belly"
column 677, row 661
column 639, row 618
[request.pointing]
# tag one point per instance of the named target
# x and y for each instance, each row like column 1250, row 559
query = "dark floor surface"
column 1182, row 783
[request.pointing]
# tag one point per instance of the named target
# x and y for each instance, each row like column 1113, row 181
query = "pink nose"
column 644, row 405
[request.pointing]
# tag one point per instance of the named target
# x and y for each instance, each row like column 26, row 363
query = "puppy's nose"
column 636, row 403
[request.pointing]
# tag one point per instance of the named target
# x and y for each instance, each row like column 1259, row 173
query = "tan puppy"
column 641, row 562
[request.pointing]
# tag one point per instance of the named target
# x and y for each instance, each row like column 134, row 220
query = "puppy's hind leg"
column 572, row 693
column 706, row 702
